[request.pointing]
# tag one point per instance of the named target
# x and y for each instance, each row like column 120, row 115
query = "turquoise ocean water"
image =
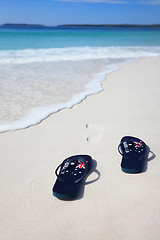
column 45, row 69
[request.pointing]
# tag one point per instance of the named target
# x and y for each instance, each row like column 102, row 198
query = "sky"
column 57, row 12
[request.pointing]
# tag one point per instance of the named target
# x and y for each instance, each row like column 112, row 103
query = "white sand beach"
column 113, row 205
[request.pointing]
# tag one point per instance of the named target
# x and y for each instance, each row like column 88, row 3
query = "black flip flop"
column 134, row 152
column 71, row 174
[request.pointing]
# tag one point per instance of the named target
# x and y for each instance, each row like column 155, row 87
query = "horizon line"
column 79, row 24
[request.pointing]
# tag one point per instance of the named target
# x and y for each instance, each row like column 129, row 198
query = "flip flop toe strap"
column 64, row 166
column 130, row 145
column 120, row 149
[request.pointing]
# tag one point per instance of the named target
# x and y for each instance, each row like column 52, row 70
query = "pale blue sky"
column 54, row 12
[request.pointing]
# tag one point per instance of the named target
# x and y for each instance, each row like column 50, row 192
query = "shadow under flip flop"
column 148, row 159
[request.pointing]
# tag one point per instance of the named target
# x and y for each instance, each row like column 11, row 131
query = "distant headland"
column 82, row 25
column 23, row 25
column 108, row 25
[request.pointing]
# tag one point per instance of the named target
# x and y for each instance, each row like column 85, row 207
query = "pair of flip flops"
column 72, row 171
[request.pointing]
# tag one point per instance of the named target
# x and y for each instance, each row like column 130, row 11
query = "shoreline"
column 39, row 114
column 128, row 105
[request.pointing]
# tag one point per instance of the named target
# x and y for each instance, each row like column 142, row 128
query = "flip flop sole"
column 69, row 187
column 131, row 170
column 134, row 153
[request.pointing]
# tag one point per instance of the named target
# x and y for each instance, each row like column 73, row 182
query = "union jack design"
column 81, row 165
column 138, row 144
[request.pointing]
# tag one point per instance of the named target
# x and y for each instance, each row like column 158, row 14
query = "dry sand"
column 115, row 205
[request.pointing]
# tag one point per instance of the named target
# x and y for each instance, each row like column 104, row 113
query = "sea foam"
column 75, row 53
